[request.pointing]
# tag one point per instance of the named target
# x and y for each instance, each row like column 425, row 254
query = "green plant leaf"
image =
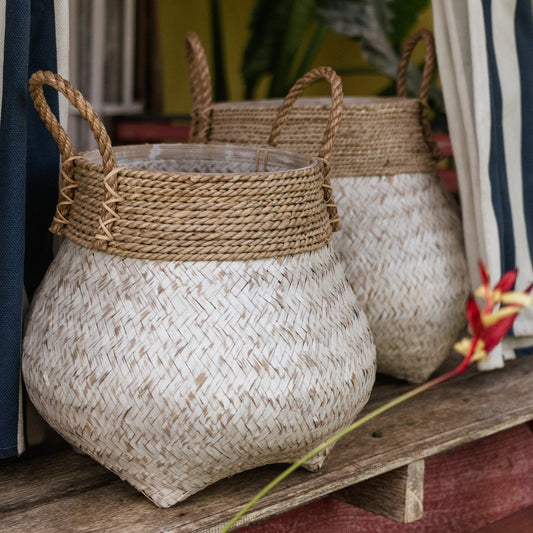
column 221, row 85
column 300, row 17
column 404, row 18
column 266, row 32
column 311, row 51
column 377, row 24
column 367, row 20
column 277, row 29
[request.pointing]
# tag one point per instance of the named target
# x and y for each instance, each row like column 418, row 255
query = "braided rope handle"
column 335, row 115
column 200, row 84
column 68, row 155
column 425, row 85
column 334, row 120
column 429, row 65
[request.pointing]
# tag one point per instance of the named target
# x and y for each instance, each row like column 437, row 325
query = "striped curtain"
column 33, row 35
column 485, row 54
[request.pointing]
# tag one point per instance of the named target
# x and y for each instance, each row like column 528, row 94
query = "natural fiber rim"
column 174, row 215
column 301, row 223
column 203, row 106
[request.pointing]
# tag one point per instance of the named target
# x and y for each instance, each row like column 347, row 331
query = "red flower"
column 489, row 327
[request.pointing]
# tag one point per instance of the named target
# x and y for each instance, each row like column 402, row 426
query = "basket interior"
column 204, row 159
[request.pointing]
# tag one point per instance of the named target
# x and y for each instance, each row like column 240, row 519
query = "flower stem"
column 332, row 440
column 326, row 444
column 345, row 431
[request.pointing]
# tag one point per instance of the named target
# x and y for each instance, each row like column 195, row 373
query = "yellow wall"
column 176, row 18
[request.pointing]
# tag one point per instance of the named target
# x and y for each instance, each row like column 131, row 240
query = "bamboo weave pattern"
column 177, row 374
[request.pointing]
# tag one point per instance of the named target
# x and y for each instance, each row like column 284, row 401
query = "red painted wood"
column 141, row 131
column 521, row 521
column 465, row 489
column 444, row 142
column 449, row 178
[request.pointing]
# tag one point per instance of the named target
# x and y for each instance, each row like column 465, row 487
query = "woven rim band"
column 203, row 216
column 234, row 215
column 376, row 137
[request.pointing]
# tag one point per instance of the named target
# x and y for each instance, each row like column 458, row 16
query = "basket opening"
column 204, row 159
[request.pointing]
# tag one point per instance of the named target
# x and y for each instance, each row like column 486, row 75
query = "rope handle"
column 335, row 115
column 334, row 120
column 200, row 84
column 425, row 85
column 429, row 63
column 68, row 155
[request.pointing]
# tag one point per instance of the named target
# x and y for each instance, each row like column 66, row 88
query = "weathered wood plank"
column 520, row 521
column 41, row 479
column 460, row 411
column 397, row 495
column 464, row 490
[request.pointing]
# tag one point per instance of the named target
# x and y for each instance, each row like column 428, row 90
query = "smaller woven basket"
column 377, row 135
column 195, row 321
column 402, row 236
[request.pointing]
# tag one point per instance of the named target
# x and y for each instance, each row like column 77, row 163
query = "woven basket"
column 401, row 238
column 195, row 322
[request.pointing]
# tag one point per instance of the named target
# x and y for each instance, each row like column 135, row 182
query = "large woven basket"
column 401, row 237
column 195, row 322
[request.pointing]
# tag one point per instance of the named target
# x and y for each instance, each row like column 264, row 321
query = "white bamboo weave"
column 402, row 246
column 177, row 374
column 401, row 234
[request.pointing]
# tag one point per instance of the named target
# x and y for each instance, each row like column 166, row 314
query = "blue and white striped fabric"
column 33, row 35
column 485, row 54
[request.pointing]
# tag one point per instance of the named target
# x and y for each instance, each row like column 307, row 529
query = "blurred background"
column 128, row 56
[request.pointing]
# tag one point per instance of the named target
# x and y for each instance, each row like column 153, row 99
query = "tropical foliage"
column 286, row 35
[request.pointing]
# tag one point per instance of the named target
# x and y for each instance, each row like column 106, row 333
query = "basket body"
column 401, row 237
column 175, row 373
column 403, row 251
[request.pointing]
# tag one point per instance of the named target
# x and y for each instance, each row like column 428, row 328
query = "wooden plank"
column 465, row 489
column 480, row 482
column 464, row 410
column 24, row 483
column 520, row 521
column 397, row 495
